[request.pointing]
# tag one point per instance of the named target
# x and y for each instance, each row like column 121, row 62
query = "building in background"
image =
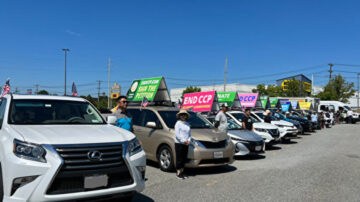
column 305, row 82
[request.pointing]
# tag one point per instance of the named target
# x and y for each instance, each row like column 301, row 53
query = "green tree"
column 43, row 92
column 337, row 89
column 190, row 89
column 269, row 90
column 293, row 88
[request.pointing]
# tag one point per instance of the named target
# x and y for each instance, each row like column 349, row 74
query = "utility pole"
column 330, row 70
column 312, row 84
column 36, row 88
column 99, row 82
column 65, row 50
column 109, row 64
column 358, row 74
column 226, row 66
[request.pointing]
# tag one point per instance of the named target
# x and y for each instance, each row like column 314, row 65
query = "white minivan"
column 57, row 148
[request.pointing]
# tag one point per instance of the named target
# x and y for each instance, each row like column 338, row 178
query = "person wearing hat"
column 220, row 118
column 182, row 141
column 267, row 118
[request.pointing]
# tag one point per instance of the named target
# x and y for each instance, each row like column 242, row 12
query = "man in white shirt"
column 349, row 115
column 221, row 120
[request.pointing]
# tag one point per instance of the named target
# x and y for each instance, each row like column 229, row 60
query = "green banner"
column 226, row 97
column 144, row 88
column 273, row 101
column 264, row 100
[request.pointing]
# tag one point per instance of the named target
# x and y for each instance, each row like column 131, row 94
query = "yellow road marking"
column 211, row 183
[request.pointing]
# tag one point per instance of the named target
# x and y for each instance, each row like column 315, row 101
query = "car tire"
column 1, row 185
column 166, row 159
column 127, row 198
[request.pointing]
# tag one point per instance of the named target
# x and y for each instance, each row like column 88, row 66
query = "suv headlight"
column 261, row 130
column 134, row 147
column 29, row 151
column 280, row 126
column 197, row 143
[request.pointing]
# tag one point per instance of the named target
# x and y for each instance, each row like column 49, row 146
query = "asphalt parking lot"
column 320, row 166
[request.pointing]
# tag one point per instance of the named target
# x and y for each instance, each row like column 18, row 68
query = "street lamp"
column 65, row 50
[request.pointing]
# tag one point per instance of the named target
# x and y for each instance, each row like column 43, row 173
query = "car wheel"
column 165, row 158
column 1, row 185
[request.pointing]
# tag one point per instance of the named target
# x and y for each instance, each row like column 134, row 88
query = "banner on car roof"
column 229, row 98
column 153, row 89
column 201, row 101
column 274, row 102
column 305, row 105
column 265, row 102
column 248, row 100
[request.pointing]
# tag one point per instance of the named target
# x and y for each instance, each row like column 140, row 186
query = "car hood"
column 264, row 125
column 72, row 134
column 210, row 135
column 245, row 135
column 284, row 123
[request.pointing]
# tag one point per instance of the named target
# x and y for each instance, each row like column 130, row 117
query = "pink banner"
column 199, row 102
column 248, row 99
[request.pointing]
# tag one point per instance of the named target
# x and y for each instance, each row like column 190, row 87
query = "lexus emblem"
column 94, row 155
column 215, row 139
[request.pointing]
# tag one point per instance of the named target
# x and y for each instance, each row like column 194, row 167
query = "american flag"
column 144, row 102
column 179, row 103
column 73, row 90
column 6, row 89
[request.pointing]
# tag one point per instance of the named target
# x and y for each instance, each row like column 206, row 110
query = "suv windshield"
column 44, row 112
column 195, row 121
column 240, row 116
column 262, row 116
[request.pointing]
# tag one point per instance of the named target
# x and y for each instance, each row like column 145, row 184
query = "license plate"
column 258, row 148
column 91, row 182
column 294, row 133
column 218, row 155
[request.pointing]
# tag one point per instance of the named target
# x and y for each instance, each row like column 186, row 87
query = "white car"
column 56, row 148
column 246, row 142
column 287, row 129
column 268, row 132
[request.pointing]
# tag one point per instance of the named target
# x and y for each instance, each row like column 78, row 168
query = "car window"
column 195, row 120
column 45, row 112
column 2, row 111
column 150, row 116
column 136, row 115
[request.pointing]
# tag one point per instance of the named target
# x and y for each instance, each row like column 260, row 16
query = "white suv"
column 56, row 148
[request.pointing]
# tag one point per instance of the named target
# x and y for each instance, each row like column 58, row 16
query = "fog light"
column 237, row 149
column 21, row 181
column 142, row 170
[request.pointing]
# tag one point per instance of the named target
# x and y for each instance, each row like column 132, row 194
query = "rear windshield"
column 195, row 121
column 45, row 112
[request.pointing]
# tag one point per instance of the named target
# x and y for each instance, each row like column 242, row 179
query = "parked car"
column 246, row 142
column 154, row 126
column 268, row 132
column 287, row 130
column 56, row 148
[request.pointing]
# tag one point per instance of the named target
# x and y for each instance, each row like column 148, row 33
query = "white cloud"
column 72, row 33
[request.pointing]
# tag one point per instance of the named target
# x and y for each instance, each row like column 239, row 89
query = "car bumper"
column 36, row 190
column 204, row 157
column 243, row 148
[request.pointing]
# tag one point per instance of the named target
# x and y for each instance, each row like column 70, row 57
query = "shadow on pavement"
column 141, row 197
column 250, row 157
column 152, row 163
column 290, row 142
column 210, row 170
column 271, row 148
column 307, row 134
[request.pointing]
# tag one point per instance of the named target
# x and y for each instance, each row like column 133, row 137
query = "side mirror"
column 111, row 120
column 151, row 124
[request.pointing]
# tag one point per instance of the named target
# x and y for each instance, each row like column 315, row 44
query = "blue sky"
column 175, row 39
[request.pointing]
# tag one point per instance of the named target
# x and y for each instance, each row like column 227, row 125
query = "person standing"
column 349, row 116
column 221, row 120
column 124, row 119
column 337, row 116
column 182, row 141
column 332, row 118
column 247, row 122
column 267, row 118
